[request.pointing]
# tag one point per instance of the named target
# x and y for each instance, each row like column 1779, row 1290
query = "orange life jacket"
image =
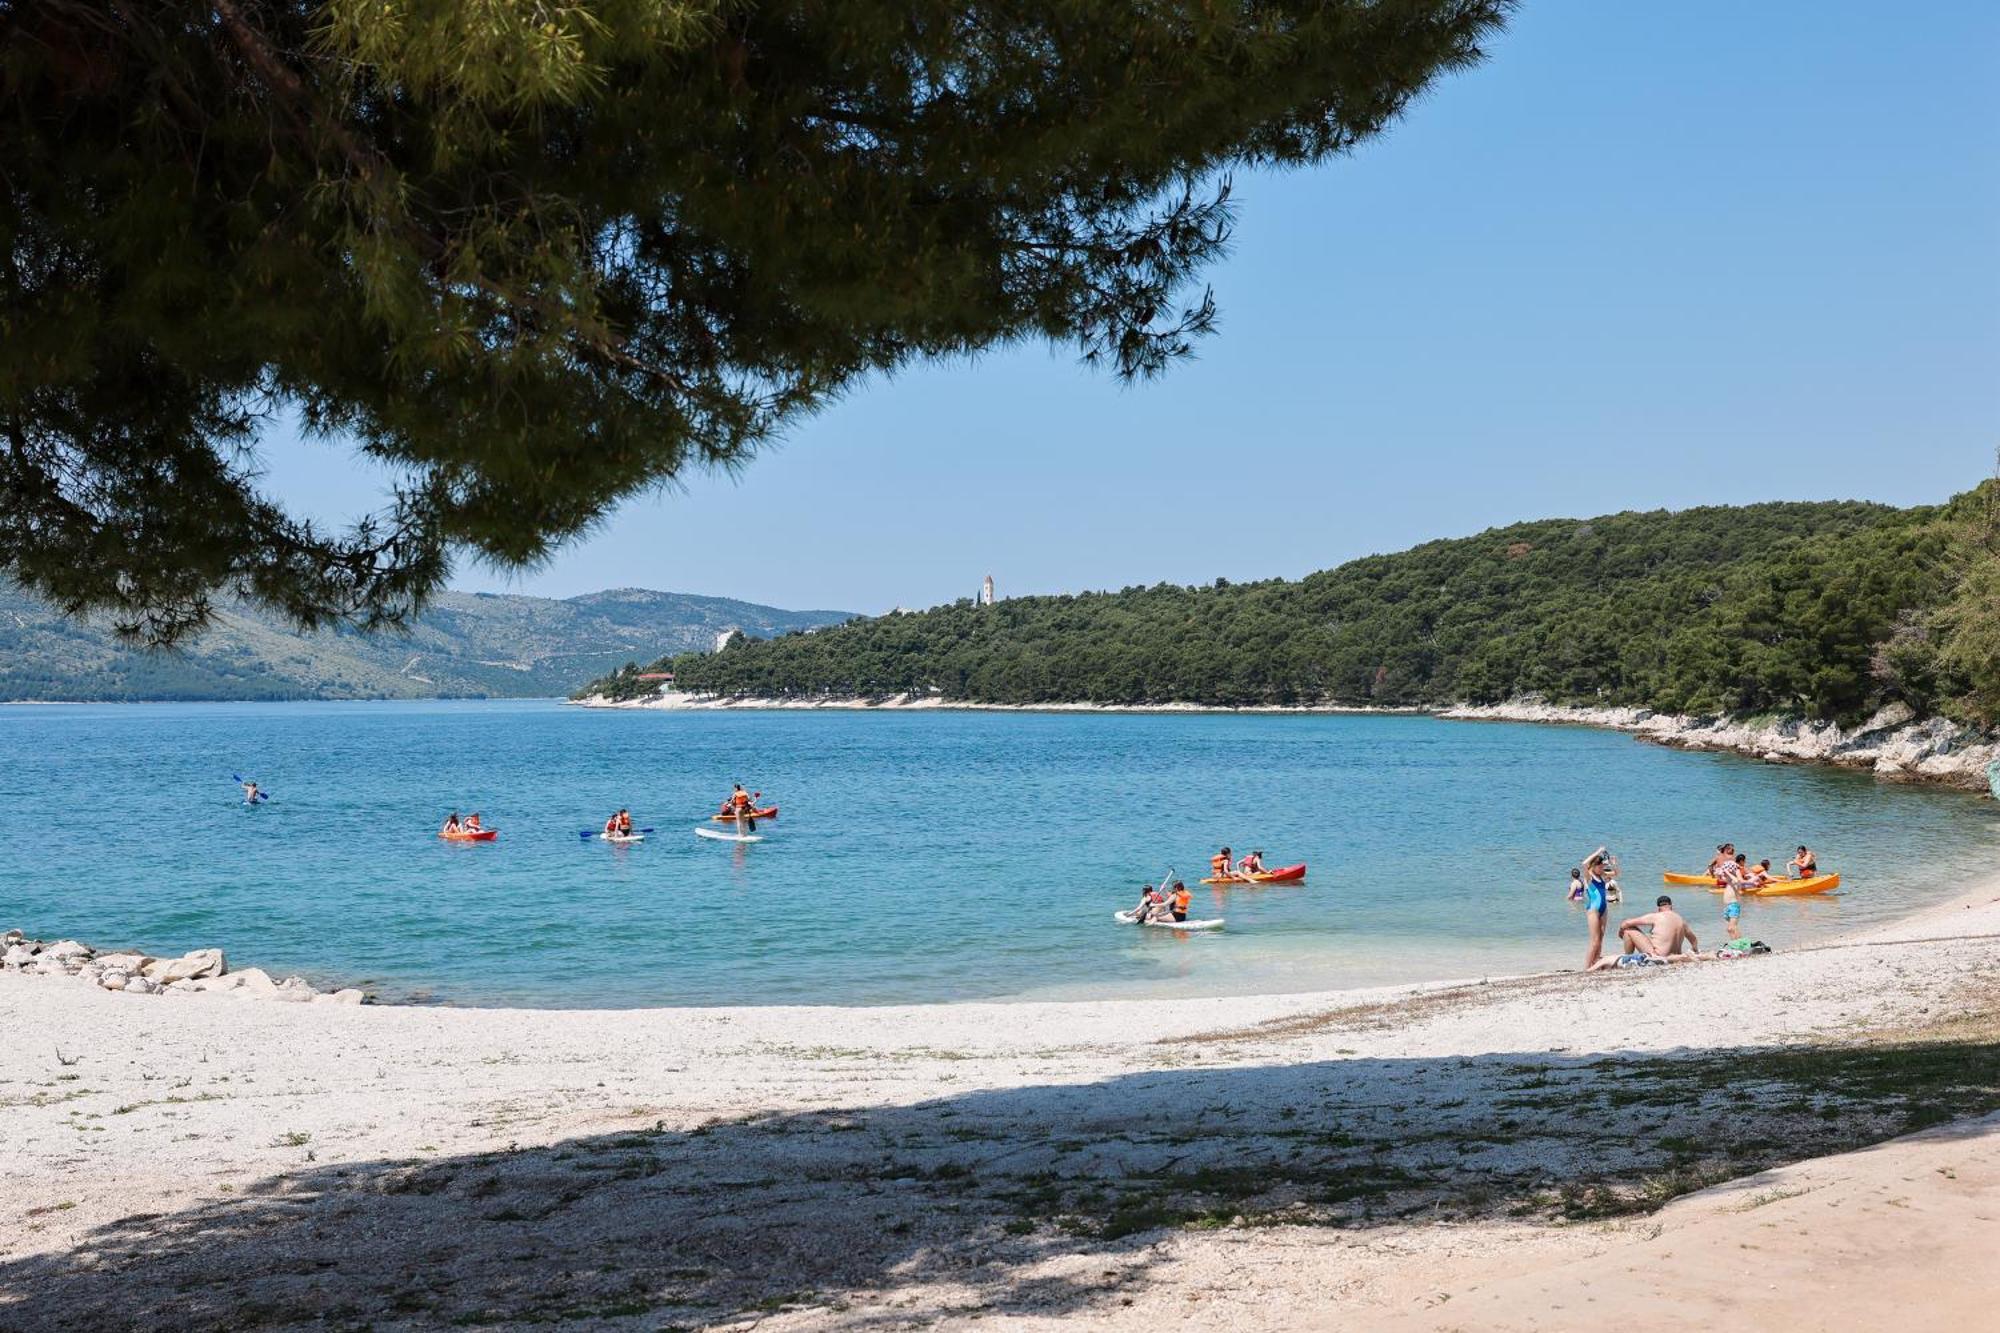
column 1219, row 864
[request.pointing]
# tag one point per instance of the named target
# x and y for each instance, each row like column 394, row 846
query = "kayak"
column 1708, row 881
column 473, row 835
column 1282, row 875
column 1786, row 888
column 1169, row 924
column 768, row 812
column 720, row 836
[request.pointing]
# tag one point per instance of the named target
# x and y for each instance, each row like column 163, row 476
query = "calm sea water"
column 929, row 856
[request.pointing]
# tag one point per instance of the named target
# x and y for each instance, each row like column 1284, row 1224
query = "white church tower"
column 986, row 592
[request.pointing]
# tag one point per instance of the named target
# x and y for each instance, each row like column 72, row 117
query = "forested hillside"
column 1823, row 609
column 465, row 645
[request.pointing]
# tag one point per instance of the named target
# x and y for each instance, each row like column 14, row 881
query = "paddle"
column 248, row 800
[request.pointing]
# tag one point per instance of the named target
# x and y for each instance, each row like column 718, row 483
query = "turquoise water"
column 926, row 856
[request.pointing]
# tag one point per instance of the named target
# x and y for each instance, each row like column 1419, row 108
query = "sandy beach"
column 1431, row 1157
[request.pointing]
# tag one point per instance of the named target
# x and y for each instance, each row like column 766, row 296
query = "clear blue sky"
column 1646, row 256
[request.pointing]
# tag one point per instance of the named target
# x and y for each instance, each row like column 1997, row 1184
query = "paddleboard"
column 1170, row 924
column 614, row 838
column 720, row 836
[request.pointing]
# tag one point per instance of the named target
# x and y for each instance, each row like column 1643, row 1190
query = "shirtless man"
column 1663, row 934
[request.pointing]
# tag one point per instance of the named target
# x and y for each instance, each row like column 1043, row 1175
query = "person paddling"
column 1150, row 901
column 250, row 794
column 451, row 825
column 1219, row 865
column 1252, row 864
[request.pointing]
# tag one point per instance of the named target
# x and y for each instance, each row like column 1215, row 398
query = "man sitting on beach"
column 1661, row 934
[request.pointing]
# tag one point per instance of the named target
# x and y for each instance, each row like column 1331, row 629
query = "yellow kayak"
column 1708, row 881
column 1785, row 888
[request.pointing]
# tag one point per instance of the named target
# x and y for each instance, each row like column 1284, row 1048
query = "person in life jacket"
column 738, row 802
column 1252, row 864
column 1219, row 864
column 1150, row 901
column 472, row 822
column 451, row 824
column 1180, row 900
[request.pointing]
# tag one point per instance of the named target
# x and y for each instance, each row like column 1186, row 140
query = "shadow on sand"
column 1043, row 1199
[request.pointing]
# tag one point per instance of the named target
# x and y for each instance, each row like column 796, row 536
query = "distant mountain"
column 467, row 645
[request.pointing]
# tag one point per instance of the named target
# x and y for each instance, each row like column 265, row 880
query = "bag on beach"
column 1742, row 949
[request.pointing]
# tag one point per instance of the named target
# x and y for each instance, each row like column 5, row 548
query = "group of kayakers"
column 739, row 804
column 1731, row 867
column 1251, row 864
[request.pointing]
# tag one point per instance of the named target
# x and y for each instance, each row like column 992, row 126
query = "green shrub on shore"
column 1825, row 610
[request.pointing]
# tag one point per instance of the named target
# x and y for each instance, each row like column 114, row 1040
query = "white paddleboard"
column 720, row 836
column 1170, row 924
column 614, row 838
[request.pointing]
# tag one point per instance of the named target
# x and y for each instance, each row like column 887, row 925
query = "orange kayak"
column 471, row 835
column 1785, row 888
column 768, row 812
column 1282, row 875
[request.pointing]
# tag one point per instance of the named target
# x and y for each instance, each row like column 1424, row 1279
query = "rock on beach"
column 131, row 973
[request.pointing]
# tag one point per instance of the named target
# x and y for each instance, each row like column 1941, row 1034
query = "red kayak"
column 1282, row 875
column 471, row 835
column 768, row 812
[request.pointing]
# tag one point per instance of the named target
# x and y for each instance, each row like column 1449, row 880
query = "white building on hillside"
column 986, row 592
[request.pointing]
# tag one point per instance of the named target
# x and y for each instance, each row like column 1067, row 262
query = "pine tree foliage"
column 536, row 255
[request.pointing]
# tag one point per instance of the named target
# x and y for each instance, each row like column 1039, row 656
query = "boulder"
column 347, row 996
column 113, row 980
column 1888, row 716
column 188, row 967
column 125, row 962
column 252, row 981
column 64, row 950
column 295, row 989
column 139, row 986
column 12, row 937
column 17, row 956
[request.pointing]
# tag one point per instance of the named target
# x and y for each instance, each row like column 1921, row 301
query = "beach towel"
column 1742, row 949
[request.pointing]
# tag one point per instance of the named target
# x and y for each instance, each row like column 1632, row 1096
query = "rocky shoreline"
column 200, row 971
column 1894, row 744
